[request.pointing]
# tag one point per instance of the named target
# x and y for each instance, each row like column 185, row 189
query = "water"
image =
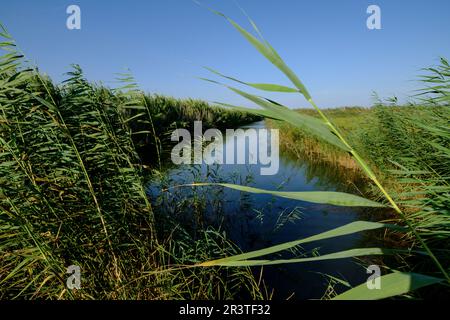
column 258, row 221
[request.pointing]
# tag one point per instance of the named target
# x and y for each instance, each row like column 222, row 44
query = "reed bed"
column 72, row 192
column 161, row 115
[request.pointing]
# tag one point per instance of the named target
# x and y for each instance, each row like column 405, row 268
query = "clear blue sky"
column 164, row 42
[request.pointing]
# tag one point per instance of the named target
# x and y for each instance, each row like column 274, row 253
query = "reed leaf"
column 269, row 52
column 347, row 229
column 392, row 284
column 331, row 256
column 275, row 110
column 260, row 112
column 323, row 197
column 261, row 86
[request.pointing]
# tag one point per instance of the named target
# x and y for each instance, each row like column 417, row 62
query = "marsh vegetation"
column 85, row 180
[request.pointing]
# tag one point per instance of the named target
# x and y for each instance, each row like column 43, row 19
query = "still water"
column 257, row 221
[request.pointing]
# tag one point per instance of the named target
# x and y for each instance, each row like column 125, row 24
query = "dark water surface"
column 257, row 221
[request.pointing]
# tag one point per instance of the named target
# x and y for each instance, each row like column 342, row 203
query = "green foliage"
column 437, row 81
column 350, row 228
column 72, row 192
column 392, row 284
column 160, row 115
column 324, row 197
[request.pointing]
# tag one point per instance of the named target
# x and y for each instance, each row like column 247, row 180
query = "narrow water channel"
column 257, row 221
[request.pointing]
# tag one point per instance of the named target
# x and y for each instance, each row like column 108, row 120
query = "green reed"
column 73, row 192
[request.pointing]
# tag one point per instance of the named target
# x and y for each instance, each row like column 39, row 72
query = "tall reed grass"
column 72, row 187
column 161, row 115
column 72, row 192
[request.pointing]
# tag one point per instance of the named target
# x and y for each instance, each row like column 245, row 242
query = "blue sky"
column 165, row 42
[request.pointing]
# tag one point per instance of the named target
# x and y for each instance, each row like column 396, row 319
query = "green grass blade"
column 307, row 123
column 392, row 284
column 269, row 52
column 261, row 86
column 266, row 50
column 259, row 112
column 322, row 197
column 272, row 87
column 304, row 122
column 332, row 256
column 347, row 229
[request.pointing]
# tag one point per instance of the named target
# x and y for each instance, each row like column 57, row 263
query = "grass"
column 304, row 146
column 72, row 192
column 381, row 133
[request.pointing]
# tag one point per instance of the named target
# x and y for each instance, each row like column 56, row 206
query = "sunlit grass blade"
column 392, row 284
column 260, row 112
column 269, row 52
column 347, row 229
column 307, row 123
column 359, row 252
column 322, row 197
column 261, row 86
